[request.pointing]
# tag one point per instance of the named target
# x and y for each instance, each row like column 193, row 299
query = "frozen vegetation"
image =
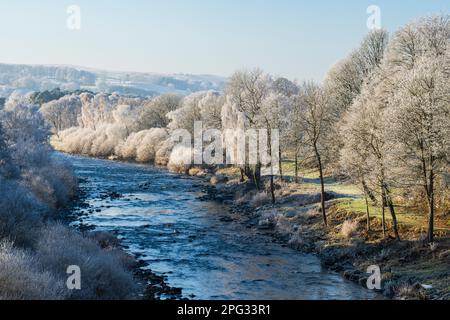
column 35, row 249
column 380, row 119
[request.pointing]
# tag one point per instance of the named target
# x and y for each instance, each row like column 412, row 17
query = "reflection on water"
column 160, row 217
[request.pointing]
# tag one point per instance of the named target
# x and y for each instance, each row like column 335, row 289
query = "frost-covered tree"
column 412, row 87
column 7, row 168
column 425, row 36
column 27, row 134
column 97, row 109
column 246, row 92
column 368, row 145
column 316, row 121
column 154, row 112
column 420, row 111
column 185, row 116
column 211, row 110
column 274, row 116
column 285, row 87
column 63, row 113
column 293, row 133
column 344, row 81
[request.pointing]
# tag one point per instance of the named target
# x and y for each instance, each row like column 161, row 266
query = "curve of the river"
column 159, row 217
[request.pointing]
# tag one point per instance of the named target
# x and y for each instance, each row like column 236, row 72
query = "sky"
column 298, row 39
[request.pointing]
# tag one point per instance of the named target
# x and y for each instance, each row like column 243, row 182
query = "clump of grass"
column 196, row 172
column 349, row 228
column 259, row 199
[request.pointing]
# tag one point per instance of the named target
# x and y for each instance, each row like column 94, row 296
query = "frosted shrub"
column 20, row 279
column 65, row 182
column 259, row 199
column 54, row 184
column 284, row 225
column 162, row 156
column 268, row 219
column 142, row 146
column 103, row 275
column 127, row 149
column 151, row 142
column 41, row 187
column 349, row 228
column 19, row 214
column 75, row 140
column 180, row 159
column 107, row 137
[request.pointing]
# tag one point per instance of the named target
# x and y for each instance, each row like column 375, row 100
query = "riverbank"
column 411, row 269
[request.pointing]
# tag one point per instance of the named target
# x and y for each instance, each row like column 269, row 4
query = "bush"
column 20, row 279
column 53, row 184
column 259, row 199
column 103, row 274
column 20, row 214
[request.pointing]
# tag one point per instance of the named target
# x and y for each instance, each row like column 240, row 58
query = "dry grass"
column 349, row 228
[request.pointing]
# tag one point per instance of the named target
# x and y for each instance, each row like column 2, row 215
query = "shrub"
column 54, row 184
column 259, row 199
column 103, row 275
column 20, row 279
column 20, row 215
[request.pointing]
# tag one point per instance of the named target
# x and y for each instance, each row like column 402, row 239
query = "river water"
column 159, row 217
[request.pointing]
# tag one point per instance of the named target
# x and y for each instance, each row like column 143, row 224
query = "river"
column 159, row 217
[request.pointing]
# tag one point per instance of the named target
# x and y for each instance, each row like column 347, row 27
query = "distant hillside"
column 40, row 78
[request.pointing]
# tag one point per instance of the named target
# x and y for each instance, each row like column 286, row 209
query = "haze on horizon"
column 296, row 39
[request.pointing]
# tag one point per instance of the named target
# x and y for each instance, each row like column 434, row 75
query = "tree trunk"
column 242, row 174
column 369, row 193
column 431, row 207
column 296, row 167
column 257, row 176
column 272, row 189
column 280, row 162
column 322, row 187
column 367, row 211
column 392, row 210
column 248, row 172
column 383, row 213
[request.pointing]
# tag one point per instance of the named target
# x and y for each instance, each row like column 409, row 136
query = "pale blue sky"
column 299, row 39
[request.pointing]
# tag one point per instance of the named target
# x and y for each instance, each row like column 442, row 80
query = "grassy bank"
column 411, row 269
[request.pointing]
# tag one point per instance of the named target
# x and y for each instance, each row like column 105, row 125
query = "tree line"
column 381, row 118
